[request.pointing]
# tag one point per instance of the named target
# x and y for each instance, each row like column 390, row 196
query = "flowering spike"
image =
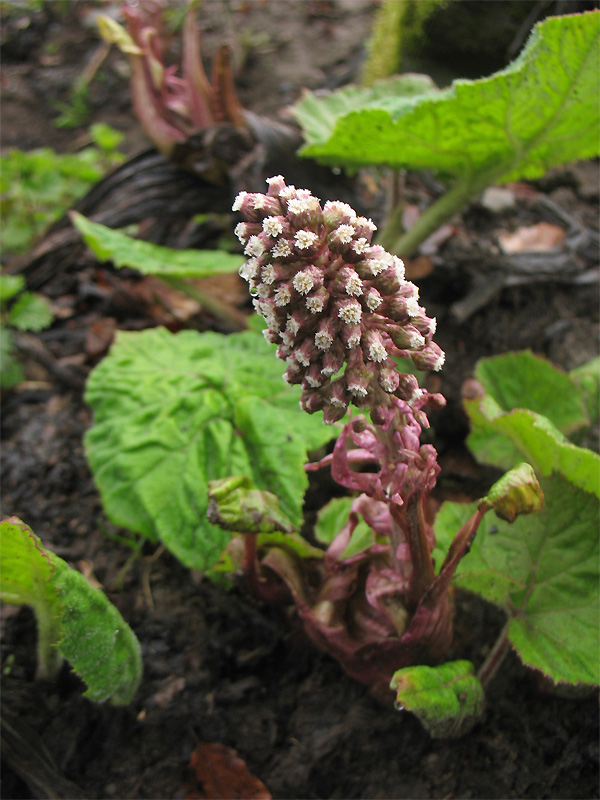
column 330, row 297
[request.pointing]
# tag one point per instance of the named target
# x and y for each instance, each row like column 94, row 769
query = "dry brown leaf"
column 418, row 267
column 539, row 238
column 99, row 336
column 220, row 774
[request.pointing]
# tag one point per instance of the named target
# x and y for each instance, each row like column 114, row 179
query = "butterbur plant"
column 341, row 312
column 198, row 444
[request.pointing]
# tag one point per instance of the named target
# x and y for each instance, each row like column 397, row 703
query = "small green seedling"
column 28, row 312
column 37, row 187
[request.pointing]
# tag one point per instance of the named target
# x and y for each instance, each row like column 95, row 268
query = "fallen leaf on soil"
column 539, row 238
column 168, row 688
column 99, row 336
column 497, row 199
column 163, row 301
column 418, row 267
column 220, row 774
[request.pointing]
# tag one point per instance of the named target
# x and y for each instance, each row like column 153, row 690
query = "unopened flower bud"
column 276, row 226
column 325, row 335
column 396, row 308
column 333, row 360
column 312, row 401
column 431, row 357
column 424, row 324
column 306, row 353
column 276, row 184
column 336, row 213
column 351, row 336
column 373, row 346
column 298, row 322
column 389, row 378
column 282, row 296
column 306, row 241
column 340, row 238
column 282, row 250
column 388, row 282
column 358, row 380
column 307, row 280
column 305, row 212
column 316, row 302
column 407, row 337
column 349, row 311
column 346, row 281
column 338, row 394
column 372, row 299
column 408, row 388
column 255, row 247
column 255, row 206
column 313, row 378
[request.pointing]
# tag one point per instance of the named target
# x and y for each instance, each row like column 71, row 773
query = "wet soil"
column 219, row 667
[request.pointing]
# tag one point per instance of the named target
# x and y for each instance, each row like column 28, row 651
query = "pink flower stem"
column 422, row 575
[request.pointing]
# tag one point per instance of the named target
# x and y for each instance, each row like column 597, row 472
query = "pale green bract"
column 448, row 699
column 541, row 111
column 175, row 411
column 75, row 620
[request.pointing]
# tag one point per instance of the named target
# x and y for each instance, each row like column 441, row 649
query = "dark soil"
column 218, row 666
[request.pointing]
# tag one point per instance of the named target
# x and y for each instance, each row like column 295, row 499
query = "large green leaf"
column 74, row 619
column 502, row 439
column 173, row 412
column 587, row 379
column 524, row 380
column 543, row 569
column 542, row 110
column 153, row 259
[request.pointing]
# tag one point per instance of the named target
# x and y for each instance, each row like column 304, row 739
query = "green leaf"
column 10, row 285
column 320, row 115
column 517, row 492
column 30, row 312
column 73, row 618
column 332, row 518
column 105, row 137
column 587, row 379
column 235, row 505
column 484, row 570
column 523, row 380
column 542, row 110
column 173, row 412
column 543, row 570
column 97, row 642
column 448, row 700
column 502, row 439
column 11, row 372
column 26, row 573
column 152, row 259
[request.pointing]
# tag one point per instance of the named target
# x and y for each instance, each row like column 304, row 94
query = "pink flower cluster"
column 332, row 300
